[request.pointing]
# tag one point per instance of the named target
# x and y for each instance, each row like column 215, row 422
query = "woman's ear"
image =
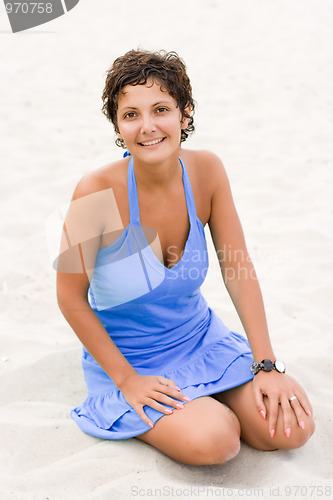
column 119, row 141
column 118, row 134
column 116, row 129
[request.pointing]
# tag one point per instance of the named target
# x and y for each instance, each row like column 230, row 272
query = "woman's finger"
column 157, row 405
column 287, row 415
column 259, row 402
column 171, row 391
column 168, row 382
column 142, row 414
column 170, row 401
column 304, row 403
column 273, row 414
column 298, row 410
column 302, row 398
column 160, row 407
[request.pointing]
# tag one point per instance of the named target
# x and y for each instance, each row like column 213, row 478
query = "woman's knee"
column 224, row 449
column 205, row 432
column 216, row 445
column 216, row 448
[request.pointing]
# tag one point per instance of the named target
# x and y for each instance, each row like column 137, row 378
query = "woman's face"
column 150, row 122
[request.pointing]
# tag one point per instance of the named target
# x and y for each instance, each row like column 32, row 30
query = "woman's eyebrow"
column 159, row 103
column 128, row 107
column 153, row 105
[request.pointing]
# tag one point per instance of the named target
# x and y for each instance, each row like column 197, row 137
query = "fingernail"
column 150, row 424
column 309, row 413
column 186, row 398
column 302, row 424
column 288, row 431
column 272, row 433
column 262, row 413
column 178, row 388
column 168, row 411
column 179, row 405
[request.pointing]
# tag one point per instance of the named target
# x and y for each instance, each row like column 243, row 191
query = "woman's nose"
column 147, row 124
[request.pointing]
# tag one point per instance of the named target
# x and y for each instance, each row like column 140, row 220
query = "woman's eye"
column 161, row 110
column 131, row 114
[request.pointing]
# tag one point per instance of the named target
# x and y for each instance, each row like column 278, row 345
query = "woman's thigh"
column 203, row 432
column 255, row 430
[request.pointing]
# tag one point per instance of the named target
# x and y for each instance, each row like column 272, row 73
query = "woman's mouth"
column 151, row 143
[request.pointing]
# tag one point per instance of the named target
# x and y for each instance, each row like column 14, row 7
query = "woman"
column 133, row 259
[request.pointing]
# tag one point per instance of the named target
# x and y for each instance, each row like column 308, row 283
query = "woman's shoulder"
column 109, row 176
column 206, row 166
column 207, row 176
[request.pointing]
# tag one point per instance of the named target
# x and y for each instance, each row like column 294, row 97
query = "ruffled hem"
column 109, row 416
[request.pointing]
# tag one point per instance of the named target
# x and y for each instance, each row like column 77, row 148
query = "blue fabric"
column 161, row 323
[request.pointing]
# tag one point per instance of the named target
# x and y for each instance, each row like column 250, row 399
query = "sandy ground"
column 262, row 76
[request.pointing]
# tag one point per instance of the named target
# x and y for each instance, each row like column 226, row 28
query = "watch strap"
column 267, row 365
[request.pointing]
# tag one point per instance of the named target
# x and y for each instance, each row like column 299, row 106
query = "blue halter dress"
column 160, row 322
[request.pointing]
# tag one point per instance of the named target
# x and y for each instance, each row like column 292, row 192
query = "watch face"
column 280, row 366
column 267, row 365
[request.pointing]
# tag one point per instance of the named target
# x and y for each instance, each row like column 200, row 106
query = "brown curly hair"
column 136, row 67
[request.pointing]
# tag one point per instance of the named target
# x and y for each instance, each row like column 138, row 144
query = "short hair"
column 136, row 67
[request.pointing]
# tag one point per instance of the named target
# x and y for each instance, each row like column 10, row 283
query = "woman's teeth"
column 151, row 143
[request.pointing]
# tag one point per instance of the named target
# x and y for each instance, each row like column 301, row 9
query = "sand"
column 262, row 76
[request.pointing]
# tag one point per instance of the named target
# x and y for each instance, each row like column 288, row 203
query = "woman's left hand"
column 280, row 389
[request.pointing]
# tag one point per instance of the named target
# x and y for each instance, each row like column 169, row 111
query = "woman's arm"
column 236, row 266
column 72, row 300
column 242, row 284
column 80, row 244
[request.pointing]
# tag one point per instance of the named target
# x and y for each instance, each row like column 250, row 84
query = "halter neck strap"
column 133, row 194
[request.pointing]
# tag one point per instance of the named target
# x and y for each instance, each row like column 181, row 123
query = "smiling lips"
column 151, row 143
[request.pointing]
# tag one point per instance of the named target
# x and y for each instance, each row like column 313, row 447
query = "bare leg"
column 204, row 432
column 254, row 430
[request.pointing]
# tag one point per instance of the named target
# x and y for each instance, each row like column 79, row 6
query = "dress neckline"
column 135, row 212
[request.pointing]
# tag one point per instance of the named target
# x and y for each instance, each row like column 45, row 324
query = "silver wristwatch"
column 267, row 365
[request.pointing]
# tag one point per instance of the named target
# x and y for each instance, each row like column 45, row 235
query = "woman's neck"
column 157, row 175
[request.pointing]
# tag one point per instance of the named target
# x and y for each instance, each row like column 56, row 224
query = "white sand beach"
column 262, row 73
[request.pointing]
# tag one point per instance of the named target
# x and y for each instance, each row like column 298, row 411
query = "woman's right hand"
column 154, row 391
